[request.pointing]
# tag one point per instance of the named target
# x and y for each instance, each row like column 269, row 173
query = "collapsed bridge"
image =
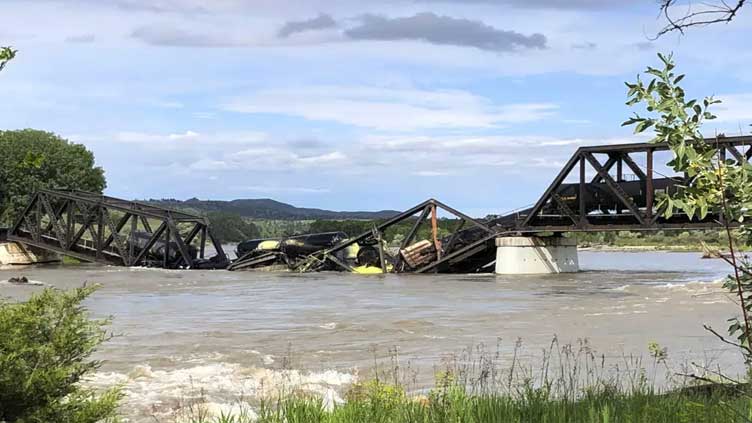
column 97, row 228
column 600, row 188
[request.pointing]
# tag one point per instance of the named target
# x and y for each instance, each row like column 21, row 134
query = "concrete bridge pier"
column 536, row 255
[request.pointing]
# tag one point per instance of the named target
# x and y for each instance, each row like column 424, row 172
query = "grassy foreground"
column 573, row 384
column 388, row 405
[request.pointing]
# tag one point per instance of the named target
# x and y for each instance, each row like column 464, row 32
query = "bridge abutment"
column 536, row 255
column 14, row 253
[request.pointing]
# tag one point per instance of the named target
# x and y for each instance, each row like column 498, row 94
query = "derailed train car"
column 468, row 249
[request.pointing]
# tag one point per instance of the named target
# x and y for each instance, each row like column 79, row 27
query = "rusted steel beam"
column 414, row 230
column 461, row 215
column 615, row 188
column 577, row 220
column 632, row 165
column 740, row 158
column 59, row 220
column 182, row 248
column 453, row 239
column 149, row 244
column 552, row 188
column 582, row 190
column 612, row 160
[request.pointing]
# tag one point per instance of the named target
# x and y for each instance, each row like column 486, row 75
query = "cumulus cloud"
column 323, row 21
column 443, row 30
column 390, row 109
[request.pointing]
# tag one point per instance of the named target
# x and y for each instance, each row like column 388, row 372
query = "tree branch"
column 718, row 12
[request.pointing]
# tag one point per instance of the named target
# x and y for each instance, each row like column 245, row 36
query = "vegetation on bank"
column 386, row 404
column 31, row 160
column 45, row 351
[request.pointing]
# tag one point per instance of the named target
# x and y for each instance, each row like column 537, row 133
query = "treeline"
column 691, row 240
column 229, row 227
column 233, row 228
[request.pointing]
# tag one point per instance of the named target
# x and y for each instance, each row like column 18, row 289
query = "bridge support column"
column 13, row 253
column 536, row 255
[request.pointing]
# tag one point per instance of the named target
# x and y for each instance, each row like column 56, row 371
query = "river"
column 232, row 334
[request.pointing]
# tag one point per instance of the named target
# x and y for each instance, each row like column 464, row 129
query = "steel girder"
column 108, row 230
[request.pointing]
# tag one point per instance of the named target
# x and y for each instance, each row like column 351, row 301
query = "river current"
column 229, row 335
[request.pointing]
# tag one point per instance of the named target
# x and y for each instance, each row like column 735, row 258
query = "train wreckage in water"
column 468, row 249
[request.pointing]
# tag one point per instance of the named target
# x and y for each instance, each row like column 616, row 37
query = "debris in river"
column 464, row 250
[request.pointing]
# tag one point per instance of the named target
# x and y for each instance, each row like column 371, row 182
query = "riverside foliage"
column 45, row 350
column 715, row 184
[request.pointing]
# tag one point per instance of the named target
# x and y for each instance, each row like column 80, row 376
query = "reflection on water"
column 232, row 332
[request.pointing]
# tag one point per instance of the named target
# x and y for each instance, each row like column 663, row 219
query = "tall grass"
column 572, row 384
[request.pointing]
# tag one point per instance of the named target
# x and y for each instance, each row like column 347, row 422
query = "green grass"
column 572, row 384
column 454, row 404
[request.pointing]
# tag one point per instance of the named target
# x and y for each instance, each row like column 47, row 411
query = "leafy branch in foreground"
column 711, row 184
column 6, row 55
column 45, row 348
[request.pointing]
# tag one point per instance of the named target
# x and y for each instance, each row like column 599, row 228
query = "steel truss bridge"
column 98, row 228
column 608, row 200
column 600, row 188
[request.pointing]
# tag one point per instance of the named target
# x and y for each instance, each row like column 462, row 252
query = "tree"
column 6, row 55
column 228, row 227
column 32, row 159
column 714, row 185
column 45, row 347
column 700, row 14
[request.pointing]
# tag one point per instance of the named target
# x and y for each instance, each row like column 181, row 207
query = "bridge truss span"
column 98, row 228
column 603, row 198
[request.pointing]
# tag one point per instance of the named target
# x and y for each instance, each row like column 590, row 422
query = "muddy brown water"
column 236, row 334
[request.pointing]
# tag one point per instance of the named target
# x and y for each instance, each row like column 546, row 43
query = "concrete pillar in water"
column 13, row 253
column 521, row 255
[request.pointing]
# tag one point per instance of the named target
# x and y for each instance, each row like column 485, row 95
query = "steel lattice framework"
column 608, row 201
column 98, row 228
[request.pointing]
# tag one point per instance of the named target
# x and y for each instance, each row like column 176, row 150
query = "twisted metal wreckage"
column 97, row 228
column 463, row 251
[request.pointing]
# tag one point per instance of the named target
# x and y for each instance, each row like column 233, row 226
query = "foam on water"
column 215, row 387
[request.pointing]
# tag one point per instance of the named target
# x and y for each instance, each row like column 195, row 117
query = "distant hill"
column 264, row 208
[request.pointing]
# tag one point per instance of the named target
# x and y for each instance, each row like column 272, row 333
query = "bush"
column 45, row 347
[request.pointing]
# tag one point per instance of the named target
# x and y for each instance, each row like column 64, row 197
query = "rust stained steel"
column 119, row 231
column 606, row 203
column 424, row 209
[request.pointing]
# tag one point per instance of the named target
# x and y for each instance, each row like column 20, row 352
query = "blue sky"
column 349, row 104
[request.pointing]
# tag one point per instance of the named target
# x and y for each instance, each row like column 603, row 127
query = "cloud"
column 188, row 137
column 266, row 189
column 588, row 45
column 81, row 39
column 323, row 21
column 734, row 109
column 390, row 109
column 548, row 4
column 164, row 35
column 443, row 30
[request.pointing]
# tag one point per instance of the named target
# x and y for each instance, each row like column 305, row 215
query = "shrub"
column 45, row 347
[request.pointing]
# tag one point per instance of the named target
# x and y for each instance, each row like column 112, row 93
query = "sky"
column 350, row 104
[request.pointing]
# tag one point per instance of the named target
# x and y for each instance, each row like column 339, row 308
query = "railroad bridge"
column 97, row 228
column 600, row 188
